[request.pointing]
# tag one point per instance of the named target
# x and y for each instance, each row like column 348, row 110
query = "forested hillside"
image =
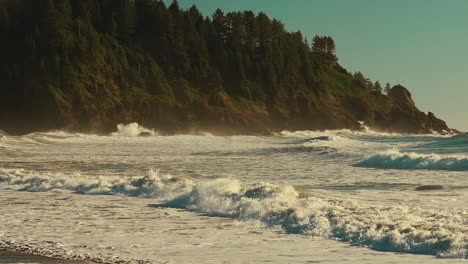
column 87, row 65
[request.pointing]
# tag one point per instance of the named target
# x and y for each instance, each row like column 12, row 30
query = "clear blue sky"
column 421, row 44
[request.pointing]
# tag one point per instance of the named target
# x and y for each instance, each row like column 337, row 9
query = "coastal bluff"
column 86, row 66
column 228, row 116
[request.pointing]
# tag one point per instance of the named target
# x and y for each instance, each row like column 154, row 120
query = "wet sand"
column 11, row 257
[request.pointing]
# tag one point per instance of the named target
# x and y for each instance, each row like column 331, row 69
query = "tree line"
column 171, row 53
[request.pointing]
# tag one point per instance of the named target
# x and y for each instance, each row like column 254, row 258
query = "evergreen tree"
column 330, row 45
column 360, row 79
column 251, row 30
column 388, row 87
column 265, row 35
column 317, row 44
column 237, row 34
column 377, row 87
column 220, row 24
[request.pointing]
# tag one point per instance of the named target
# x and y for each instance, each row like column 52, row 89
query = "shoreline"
column 267, row 132
column 11, row 257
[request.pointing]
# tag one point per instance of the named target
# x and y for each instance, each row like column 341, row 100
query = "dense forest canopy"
column 79, row 60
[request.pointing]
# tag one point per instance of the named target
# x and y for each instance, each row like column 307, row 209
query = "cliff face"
column 225, row 115
column 402, row 115
column 89, row 65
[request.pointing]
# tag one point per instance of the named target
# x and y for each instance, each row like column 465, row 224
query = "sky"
column 420, row 44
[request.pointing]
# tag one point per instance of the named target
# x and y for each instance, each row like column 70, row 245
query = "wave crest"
column 394, row 159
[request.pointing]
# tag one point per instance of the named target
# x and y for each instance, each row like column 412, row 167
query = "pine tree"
column 330, row 45
column 251, row 30
column 377, row 87
column 387, row 88
column 220, row 24
column 237, row 35
column 265, row 35
column 317, row 44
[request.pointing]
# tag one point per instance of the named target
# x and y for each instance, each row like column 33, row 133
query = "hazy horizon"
column 417, row 44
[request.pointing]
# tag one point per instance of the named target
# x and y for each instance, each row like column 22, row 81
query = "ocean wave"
column 335, row 141
column 133, row 130
column 397, row 228
column 455, row 144
column 123, row 133
column 357, row 140
column 365, row 132
column 394, row 159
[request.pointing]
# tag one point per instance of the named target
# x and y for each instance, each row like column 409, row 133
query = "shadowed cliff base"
column 88, row 65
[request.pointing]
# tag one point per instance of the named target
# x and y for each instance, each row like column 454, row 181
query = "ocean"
column 293, row 197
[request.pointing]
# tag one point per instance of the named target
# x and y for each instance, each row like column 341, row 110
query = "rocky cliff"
column 225, row 115
column 89, row 65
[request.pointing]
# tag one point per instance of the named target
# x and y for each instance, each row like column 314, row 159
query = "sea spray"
column 132, row 130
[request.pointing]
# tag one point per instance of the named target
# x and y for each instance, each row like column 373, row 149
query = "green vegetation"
column 89, row 64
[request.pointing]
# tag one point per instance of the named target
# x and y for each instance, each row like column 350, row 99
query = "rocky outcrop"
column 402, row 96
column 406, row 117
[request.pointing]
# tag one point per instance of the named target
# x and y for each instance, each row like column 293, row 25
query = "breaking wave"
column 394, row 159
column 133, row 130
column 397, row 228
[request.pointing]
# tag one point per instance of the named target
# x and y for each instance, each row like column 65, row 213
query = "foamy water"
column 379, row 192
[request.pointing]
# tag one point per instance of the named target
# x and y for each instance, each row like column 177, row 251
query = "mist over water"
column 369, row 189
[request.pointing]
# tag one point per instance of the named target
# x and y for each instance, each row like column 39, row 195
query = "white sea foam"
column 132, row 130
column 394, row 159
column 338, row 141
column 398, row 228
column 366, row 131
